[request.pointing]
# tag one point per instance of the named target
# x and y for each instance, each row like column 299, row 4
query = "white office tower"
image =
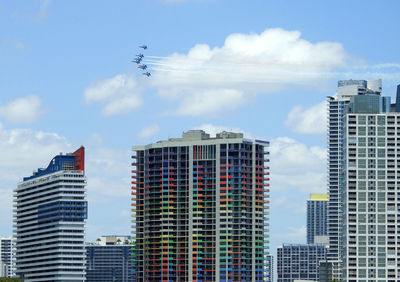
column 49, row 221
column 7, row 259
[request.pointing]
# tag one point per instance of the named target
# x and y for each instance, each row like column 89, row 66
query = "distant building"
column 109, row 259
column 269, row 273
column 7, row 258
column 201, row 208
column 328, row 270
column 50, row 211
column 299, row 261
column 317, row 209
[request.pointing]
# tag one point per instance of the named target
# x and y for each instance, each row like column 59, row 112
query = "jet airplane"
column 140, row 56
column 143, row 67
column 143, row 46
column 137, row 60
column 147, row 73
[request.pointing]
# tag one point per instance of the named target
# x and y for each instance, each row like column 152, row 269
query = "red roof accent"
column 79, row 159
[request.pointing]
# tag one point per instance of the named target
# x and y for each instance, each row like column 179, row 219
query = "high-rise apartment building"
column 363, row 176
column 201, row 206
column 299, row 261
column 7, row 258
column 50, row 210
column 109, row 259
column 371, row 199
column 317, row 208
column 336, row 113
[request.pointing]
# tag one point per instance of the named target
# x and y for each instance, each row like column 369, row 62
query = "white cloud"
column 44, row 5
column 119, row 94
column 22, row 151
column 247, row 64
column 148, row 131
column 293, row 235
column 22, row 110
column 308, row 120
column 295, row 166
column 107, row 170
column 17, row 44
column 210, row 102
column 288, row 203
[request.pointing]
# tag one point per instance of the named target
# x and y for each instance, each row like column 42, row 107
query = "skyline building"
column 317, row 208
column 7, row 258
column 109, row 259
column 299, row 261
column 269, row 273
column 50, row 210
column 372, row 162
column 362, row 178
column 337, row 107
column 200, row 208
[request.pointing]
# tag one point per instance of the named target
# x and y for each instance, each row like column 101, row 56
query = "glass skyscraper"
column 317, row 207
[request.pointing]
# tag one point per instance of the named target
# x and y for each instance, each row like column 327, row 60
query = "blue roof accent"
column 56, row 164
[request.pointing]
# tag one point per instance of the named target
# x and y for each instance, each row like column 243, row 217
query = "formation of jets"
column 138, row 60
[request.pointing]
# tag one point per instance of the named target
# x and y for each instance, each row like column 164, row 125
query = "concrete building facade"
column 299, row 261
column 50, row 210
column 201, row 208
column 7, row 257
column 362, row 163
column 371, row 206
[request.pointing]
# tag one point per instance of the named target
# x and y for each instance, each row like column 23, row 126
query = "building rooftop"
column 112, row 240
column 202, row 135
column 319, row 197
column 71, row 161
column 196, row 136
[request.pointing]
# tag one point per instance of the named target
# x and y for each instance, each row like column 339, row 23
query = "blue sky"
column 261, row 67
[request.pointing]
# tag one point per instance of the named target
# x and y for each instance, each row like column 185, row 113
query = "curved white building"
column 50, row 211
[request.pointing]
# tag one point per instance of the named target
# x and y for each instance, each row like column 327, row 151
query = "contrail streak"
column 229, row 68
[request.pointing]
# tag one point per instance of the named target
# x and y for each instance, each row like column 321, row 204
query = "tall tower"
column 371, row 197
column 317, row 208
column 337, row 107
column 201, row 206
column 50, row 210
column 363, row 162
column 336, row 112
